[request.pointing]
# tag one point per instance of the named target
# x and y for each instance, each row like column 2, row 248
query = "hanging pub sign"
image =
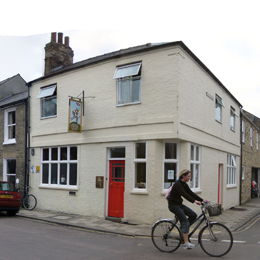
column 75, row 116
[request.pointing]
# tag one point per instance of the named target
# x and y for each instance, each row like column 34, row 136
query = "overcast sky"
column 223, row 34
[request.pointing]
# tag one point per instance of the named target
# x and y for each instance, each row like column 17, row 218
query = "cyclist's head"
column 183, row 173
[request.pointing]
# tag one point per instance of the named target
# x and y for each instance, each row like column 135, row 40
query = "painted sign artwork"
column 75, row 116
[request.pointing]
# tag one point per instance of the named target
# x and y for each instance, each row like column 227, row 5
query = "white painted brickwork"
column 174, row 107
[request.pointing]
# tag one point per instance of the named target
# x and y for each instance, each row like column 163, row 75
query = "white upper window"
column 128, row 84
column 9, row 126
column 218, row 105
column 243, row 131
column 233, row 114
column 48, row 96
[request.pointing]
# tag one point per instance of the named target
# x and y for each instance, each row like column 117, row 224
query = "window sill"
column 9, row 142
column 231, row 186
column 139, row 192
column 48, row 117
column 53, row 187
column 129, row 104
column 196, row 191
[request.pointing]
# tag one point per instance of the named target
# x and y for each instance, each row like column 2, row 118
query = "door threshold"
column 113, row 219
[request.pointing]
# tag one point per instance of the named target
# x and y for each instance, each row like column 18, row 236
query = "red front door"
column 116, row 189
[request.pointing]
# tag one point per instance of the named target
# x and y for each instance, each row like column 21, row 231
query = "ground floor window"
column 9, row 169
column 195, row 167
column 59, row 166
column 231, row 169
column 140, row 165
column 170, row 163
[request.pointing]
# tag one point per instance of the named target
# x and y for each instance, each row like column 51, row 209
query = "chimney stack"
column 57, row 54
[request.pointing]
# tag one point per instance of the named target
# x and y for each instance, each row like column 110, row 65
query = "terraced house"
column 110, row 134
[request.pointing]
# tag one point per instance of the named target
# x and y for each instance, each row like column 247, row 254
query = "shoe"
column 188, row 246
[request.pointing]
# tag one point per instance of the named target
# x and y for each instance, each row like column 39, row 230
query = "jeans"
column 181, row 211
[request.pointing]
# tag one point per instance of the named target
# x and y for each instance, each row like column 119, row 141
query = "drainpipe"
column 241, row 164
column 26, row 181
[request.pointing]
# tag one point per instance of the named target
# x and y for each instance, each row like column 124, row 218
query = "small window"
column 218, row 105
column 233, row 114
column 195, row 167
column 48, row 96
column 243, row 131
column 243, row 172
column 10, row 126
column 128, row 84
column 231, row 170
column 170, row 164
column 9, row 170
column 140, row 165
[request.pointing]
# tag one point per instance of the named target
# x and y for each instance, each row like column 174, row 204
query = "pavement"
column 234, row 218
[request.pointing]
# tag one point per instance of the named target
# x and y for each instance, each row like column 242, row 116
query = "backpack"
column 168, row 193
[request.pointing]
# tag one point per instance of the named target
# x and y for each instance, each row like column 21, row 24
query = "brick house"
column 13, row 115
column 147, row 113
column 250, row 130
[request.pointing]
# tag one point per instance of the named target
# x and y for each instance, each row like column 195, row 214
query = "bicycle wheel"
column 29, row 202
column 215, row 239
column 166, row 236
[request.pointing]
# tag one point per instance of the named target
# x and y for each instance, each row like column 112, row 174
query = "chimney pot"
column 67, row 41
column 53, row 37
column 60, row 36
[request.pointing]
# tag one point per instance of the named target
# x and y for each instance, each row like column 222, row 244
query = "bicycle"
column 214, row 238
column 29, row 201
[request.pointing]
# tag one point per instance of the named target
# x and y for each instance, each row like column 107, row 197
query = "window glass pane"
column 45, row 154
column 136, row 97
column 45, row 173
column 117, row 152
column 197, row 153
column 54, row 153
column 197, row 170
column 218, row 113
column 192, row 152
column 73, row 174
column 11, row 132
column 49, row 106
column 63, row 173
column 11, row 118
column 63, row 153
column 140, row 150
column 54, row 173
column 140, row 171
column 11, row 166
column 170, row 172
column 127, row 71
column 73, row 153
column 170, row 151
column 46, row 92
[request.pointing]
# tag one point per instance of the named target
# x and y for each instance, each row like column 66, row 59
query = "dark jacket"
column 181, row 189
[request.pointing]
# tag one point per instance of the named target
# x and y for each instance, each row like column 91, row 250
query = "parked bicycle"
column 214, row 238
column 29, row 201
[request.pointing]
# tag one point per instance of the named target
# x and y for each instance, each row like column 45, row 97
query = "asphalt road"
column 29, row 239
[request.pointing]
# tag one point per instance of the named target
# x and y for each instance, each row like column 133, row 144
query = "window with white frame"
column 243, row 172
column 170, row 163
column 231, row 169
column 48, row 97
column 9, row 126
column 233, row 114
column 256, row 141
column 9, row 169
column 195, row 167
column 243, row 131
column 218, row 105
column 140, row 165
column 128, row 84
column 59, row 166
column 251, row 137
